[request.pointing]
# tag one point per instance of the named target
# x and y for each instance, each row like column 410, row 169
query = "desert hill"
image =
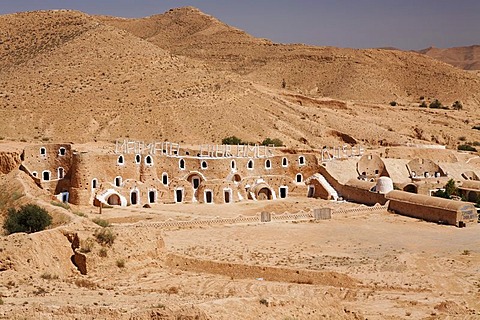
column 369, row 75
column 102, row 82
column 186, row 77
column 467, row 58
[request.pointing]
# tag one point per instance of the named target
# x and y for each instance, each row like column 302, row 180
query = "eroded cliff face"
column 9, row 160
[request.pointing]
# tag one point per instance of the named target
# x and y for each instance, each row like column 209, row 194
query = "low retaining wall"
column 244, row 271
column 300, row 216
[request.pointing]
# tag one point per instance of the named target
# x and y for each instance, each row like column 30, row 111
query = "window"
column 268, row 164
column 250, row 164
column 148, row 160
column 233, row 164
column 62, row 151
column 181, row 164
column 227, row 195
column 165, row 178
column 35, row 173
column 120, row 160
column 204, row 164
column 299, row 178
column 284, row 162
column 94, row 183
column 152, row 196
column 60, row 173
column 46, row 175
column 283, row 192
column 301, row 160
column 134, row 197
column 118, row 181
column 178, row 195
column 43, row 151
column 208, row 196
column 138, row 158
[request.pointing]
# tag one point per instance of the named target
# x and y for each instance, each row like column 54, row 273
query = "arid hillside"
column 467, row 58
column 372, row 75
column 184, row 76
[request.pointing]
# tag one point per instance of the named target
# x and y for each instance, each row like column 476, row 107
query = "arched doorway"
column 195, row 179
column 264, row 194
column 472, row 196
column 114, row 200
column 410, row 188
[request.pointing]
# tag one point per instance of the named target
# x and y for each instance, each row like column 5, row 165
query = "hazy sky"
column 405, row 24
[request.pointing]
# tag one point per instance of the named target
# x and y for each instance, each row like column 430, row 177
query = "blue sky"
column 405, row 24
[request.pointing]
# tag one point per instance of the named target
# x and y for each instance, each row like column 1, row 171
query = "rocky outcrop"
column 9, row 161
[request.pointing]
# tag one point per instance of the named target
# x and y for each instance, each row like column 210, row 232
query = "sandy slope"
column 375, row 266
column 467, row 58
column 83, row 78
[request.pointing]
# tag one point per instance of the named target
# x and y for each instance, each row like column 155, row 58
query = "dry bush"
column 86, row 245
column 105, row 236
column 48, row 276
column 103, row 252
column 120, row 263
column 172, row 290
column 102, row 223
column 84, row 283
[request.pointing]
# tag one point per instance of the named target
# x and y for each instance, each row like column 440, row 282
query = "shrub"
column 103, row 253
column 450, row 190
column 393, row 103
column 423, row 104
column 48, row 276
column 275, row 142
column 466, row 147
column 1, row 301
column 457, row 105
column 29, row 218
column 422, row 97
column 86, row 245
column 105, row 236
column 120, row 263
column 232, row 140
column 84, row 283
column 435, row 104
column 101, row 222
column 462, row 138
column 60, row 204
column 172, row 290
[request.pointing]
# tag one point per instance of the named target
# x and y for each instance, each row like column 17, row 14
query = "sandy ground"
column 362, row 266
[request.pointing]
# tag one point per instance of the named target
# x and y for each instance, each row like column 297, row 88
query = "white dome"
column 384, row 185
